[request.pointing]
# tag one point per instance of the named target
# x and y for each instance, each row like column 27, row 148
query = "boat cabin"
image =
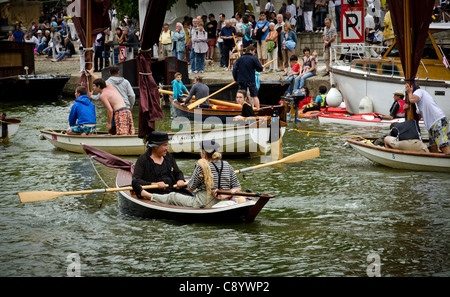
column 434, row 65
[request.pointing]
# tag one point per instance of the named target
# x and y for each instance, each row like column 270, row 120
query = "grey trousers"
column 196, row 201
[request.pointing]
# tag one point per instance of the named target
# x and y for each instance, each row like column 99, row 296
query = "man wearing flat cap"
column 157, row 167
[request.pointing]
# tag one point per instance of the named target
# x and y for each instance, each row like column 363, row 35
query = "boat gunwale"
column 359, row 142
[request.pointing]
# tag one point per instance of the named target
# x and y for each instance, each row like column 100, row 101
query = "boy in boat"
column 435, row 120
column 115, row 105
column 82, row 118
column 157, row 167
column 179, row 88
column 320, row 102
column 210, row 173
column 398, row 107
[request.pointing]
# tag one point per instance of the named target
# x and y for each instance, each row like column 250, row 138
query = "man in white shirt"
column 291, row 8
column 435, row 120
column 269, row 7
column 369, row 25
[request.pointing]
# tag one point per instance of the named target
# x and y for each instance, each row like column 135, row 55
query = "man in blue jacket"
column 82, row 118
column 244, row 73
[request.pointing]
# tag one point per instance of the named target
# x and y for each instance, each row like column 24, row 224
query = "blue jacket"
column 244, row 69
column 178, row 89
column 82, row 112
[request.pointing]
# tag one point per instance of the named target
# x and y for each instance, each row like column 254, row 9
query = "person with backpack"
column 247, row 30
column 261, row 31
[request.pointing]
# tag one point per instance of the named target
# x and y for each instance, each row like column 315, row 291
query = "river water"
column 338, row 215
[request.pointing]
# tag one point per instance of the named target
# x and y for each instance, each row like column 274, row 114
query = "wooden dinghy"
column 249, row 140
column 238, row 212
column 401, row 159
column 222, row 114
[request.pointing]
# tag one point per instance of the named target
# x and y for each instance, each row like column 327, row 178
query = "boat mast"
column 89, row 45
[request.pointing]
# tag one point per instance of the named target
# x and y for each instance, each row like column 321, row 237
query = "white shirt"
column 369, row 22
column 291, row 8
column 428, row 108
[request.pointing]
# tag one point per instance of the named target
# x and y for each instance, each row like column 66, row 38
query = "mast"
column 89, row 45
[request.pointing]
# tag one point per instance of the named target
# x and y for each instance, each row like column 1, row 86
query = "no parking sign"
column 122, row 53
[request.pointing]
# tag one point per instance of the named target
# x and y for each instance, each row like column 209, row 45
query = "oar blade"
column 302, row 156
column 38, row 196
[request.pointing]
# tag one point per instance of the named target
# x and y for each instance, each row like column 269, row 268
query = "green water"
column 328, row 216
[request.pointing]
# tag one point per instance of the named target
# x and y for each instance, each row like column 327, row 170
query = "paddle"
column 214, row 101
column 200, row 101
column 294, row 158
column 48, row 195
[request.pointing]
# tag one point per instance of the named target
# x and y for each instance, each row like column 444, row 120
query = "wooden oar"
column 48, row 195
column 200, row 101
column 294, row 158
column 214, row 101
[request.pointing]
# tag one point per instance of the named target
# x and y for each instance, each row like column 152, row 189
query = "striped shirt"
column 228, row 178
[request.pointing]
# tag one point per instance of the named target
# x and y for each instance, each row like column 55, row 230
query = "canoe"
column 221, row 115
column 12, row 126
column 363, row 119
column 238, row 212
column 235, row 140
column 401, row 159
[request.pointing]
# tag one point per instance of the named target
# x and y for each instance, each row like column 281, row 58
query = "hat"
column 39, row 31
column 399, row 93
column 209, row 146
column 157, row 138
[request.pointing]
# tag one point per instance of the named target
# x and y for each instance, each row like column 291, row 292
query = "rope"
column 325, row 133
column 142, row 73
column 98, row 174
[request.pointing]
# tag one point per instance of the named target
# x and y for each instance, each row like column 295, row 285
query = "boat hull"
column 238, row 140
column 131, row 206
column 356, row 84
column 360, row 120
column 417, row 161
column 22, row 87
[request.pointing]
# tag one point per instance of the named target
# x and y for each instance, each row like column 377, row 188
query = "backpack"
column 249, row 32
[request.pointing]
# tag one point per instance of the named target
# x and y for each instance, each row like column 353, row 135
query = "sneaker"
column 201, row 71
column 195, row 71
column 190, row 71
column 327, row 73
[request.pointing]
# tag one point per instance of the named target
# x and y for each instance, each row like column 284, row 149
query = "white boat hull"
column 234, row 141
column 324, row 119
column 356, row 84
column 417, row 161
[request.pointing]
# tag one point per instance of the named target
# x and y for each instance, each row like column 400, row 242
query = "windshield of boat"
column 429, row 51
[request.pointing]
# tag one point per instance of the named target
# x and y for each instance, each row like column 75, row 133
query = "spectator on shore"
column 69, row 50
column 288, row 44
column 179, row 41
column 329, row 38
column 32, row 39
column 18, row 34
column 227, row 35
column 307, row 70
column 211, row 28
column 308, row 7
column 220, row 26
column 200, row 46
column 272, row 47
column 261, row 31
column 192, row 31
column 165, row 42
column 99, row 47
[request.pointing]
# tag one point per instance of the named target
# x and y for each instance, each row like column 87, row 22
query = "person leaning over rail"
column 435, row 120
column 211, row 173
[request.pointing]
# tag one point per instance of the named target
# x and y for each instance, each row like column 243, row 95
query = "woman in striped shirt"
column 211, row 173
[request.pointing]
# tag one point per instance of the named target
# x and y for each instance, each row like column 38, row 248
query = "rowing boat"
column 401, row 159
column 230, row 212
column 249, row 140
column 363, row 119
column 222, row 114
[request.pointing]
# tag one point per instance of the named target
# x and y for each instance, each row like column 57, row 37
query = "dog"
column 210, row 66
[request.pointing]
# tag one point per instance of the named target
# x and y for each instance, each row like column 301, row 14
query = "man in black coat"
column 244, row 73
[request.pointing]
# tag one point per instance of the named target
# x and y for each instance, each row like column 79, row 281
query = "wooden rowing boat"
column 249, row 140
column 221, row 114
column 238, row 212
column 401, row 159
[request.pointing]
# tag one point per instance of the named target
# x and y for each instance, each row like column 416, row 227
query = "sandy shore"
column 213, row 73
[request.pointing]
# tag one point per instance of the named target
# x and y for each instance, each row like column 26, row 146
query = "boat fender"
column 334, row 97
column 366, row 105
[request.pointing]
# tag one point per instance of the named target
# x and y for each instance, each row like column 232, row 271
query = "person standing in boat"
column 210, row 173
column 244, row 73
column 157, row 167
column 82, row 119
column 435, row 120
column 115, row 106
column 199, row 90
column 123, row 86
column 398, row 107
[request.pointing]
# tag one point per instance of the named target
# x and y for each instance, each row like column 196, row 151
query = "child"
column 293, row 73
column 178, row 88
column 315, row 56
column 307, row 99
column 320, row 101
column 234, row 52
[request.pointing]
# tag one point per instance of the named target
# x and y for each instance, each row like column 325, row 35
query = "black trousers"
column 98, row 56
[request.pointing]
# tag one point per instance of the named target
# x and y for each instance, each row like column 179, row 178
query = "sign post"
column 352, row 26
column 122, row 53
